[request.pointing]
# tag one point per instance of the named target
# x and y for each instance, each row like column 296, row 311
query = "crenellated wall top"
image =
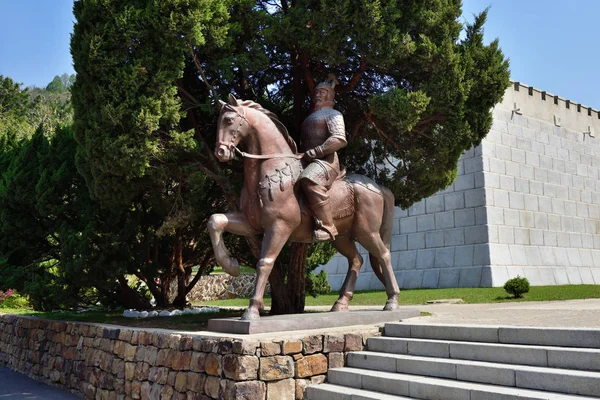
column 535, row 103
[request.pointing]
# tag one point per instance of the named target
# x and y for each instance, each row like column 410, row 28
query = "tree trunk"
column 130, row 298
column 280, row 302
column 296, row 282
column 180, row 300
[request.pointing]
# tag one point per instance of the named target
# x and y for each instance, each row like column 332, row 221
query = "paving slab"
column 285, row 323
column 16, row 386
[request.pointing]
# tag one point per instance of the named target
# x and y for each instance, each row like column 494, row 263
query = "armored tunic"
column 316, row 129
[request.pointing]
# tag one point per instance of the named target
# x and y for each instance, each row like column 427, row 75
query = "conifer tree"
column 414, row 92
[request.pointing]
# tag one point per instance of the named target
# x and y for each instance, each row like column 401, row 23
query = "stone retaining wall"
column 214, row 287
column 112, row 362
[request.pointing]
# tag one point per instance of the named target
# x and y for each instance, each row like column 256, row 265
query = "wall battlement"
column 521, row 99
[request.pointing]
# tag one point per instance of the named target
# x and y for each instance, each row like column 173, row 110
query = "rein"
column 266, row 156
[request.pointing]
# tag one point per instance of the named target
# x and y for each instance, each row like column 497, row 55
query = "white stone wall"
column 543, row 191
column 526, row 202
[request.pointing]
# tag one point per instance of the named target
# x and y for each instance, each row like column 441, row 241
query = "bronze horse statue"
column 271, row 206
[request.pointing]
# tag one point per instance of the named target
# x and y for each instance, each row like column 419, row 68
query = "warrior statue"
column 322, row 133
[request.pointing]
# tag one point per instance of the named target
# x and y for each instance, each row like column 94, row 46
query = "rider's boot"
column 326, row 230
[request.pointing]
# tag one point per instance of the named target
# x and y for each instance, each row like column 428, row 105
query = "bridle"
column 231, row 144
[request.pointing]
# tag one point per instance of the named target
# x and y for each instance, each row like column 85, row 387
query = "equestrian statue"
column 301, row 197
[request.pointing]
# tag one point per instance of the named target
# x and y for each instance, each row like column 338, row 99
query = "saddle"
column 341, row 196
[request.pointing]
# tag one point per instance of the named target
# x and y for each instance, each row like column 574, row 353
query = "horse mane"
column 280, row 126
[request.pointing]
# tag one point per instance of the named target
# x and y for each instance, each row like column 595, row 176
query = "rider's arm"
column 336, row 140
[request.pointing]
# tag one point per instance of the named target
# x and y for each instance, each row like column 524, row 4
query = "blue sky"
column 552, row 44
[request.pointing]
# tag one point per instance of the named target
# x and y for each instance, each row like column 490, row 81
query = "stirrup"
column 322, row 235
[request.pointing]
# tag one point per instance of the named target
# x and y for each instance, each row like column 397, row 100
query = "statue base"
column 311, row 320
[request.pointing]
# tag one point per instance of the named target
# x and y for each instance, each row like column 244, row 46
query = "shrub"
column 10, row 299
column 317, row 284
column 517, row 286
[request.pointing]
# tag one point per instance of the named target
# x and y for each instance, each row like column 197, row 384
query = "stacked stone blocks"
column 102, row 362
column 525, row 202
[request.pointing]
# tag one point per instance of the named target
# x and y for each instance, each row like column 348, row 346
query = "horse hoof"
column 338, row 306
column 390, row 305
column 250, row 314
column 232, row 267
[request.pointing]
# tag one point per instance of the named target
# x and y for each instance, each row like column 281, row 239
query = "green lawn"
column 468, row 295
column 418, row 296
column 183, row 322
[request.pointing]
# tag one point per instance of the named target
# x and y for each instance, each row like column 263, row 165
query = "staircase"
column 468, row 362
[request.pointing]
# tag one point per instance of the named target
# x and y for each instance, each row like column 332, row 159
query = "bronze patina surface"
column 270, row 206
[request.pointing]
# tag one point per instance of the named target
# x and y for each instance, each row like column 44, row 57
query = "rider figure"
column 323, row 133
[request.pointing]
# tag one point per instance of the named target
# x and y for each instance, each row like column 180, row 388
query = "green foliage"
column 317, row 284
column 517, row 287
column 137, row 155
column 11, row 300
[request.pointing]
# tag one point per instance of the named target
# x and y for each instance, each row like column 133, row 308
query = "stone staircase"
column 469, row 362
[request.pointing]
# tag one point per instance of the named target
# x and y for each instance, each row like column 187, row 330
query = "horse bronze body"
column 270, row 205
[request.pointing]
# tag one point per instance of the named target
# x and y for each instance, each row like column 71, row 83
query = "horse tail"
column 387, row 223
column 385, row 231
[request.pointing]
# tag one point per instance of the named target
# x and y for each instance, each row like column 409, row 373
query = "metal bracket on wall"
column 589, row 132
column 556, row 120
column 516, row 110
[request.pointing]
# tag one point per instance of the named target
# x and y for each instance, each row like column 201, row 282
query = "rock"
column 195, row 382
column 211, row 386
column 301, row 385
column 249, row 347
column 198, row 362
column 333, row 343
column 145, row 390
column 311, row 365
column 312, row 344
column 213, row 364
column 250, row 390
column 276, row 368
column 270, row 349
column 292, row 346
column 354, row 342
column 158, row 375
column 336, row 360
column 150, row 355
column 317, row 380
column 240, row 368
column 181, row 382
column 155, row 391
column 181, row 361
column 283, row 389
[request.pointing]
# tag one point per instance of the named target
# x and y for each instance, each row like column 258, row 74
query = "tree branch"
column 212, row 90
column 355, row 78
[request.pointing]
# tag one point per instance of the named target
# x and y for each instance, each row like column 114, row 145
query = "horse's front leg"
column 273, row 241
column 235, row 223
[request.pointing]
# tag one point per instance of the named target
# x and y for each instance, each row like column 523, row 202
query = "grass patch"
column 417, row 296
column 421, row 296
column 195, row 322
column 244, row 270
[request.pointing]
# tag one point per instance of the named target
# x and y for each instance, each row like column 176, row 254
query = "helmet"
column 328, row 85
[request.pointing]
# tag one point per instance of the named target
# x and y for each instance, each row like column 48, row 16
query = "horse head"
column 231, row 129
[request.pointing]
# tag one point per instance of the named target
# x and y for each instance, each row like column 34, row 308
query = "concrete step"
column 510, row 375
column 560, row 337
column 419, row 387
column 540, row 356
column 327, row 391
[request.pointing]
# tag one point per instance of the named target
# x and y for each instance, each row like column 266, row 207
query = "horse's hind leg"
column 347, row 248
column 375, row 246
